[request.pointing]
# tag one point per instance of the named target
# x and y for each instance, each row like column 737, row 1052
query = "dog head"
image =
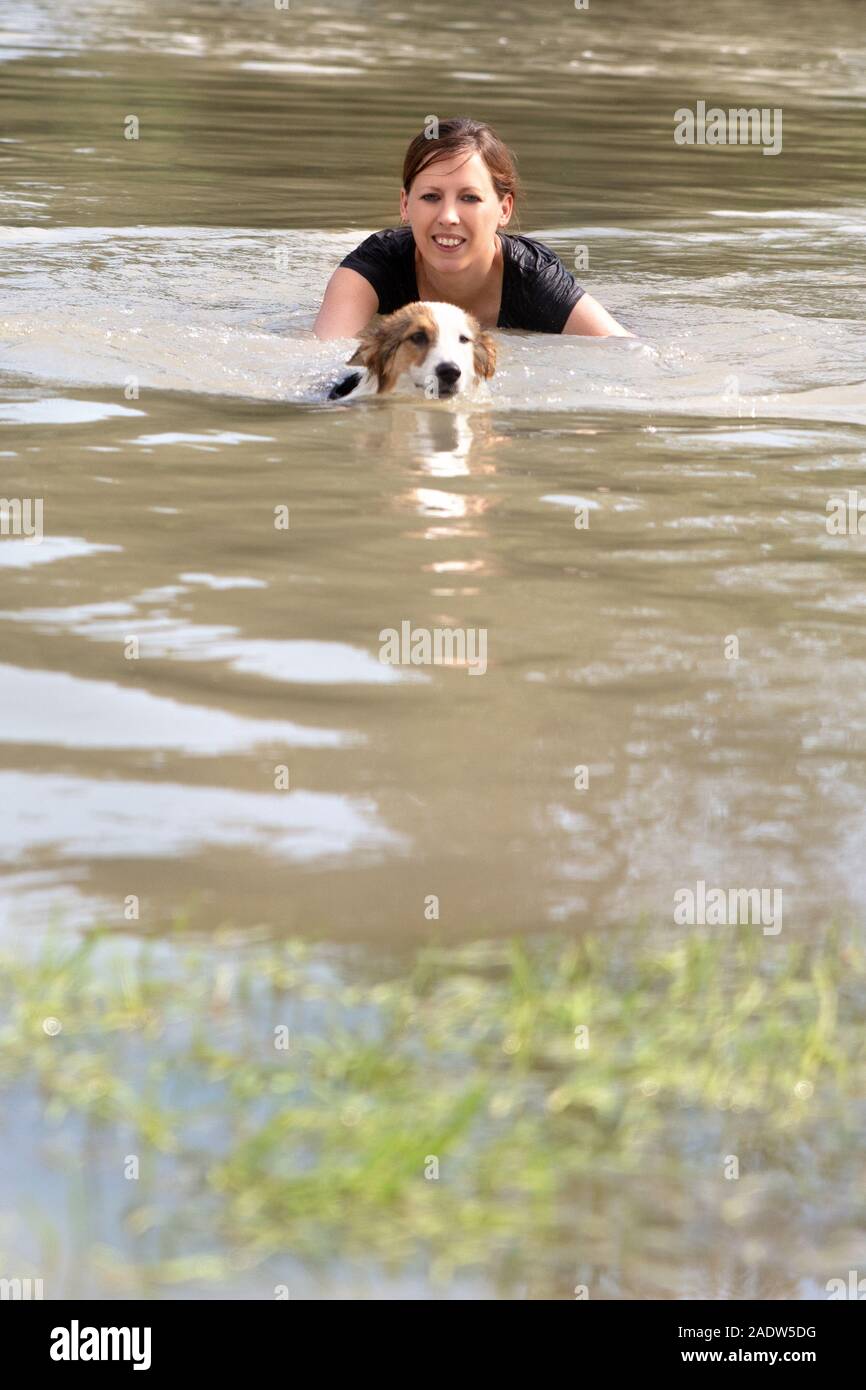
column 434, row 348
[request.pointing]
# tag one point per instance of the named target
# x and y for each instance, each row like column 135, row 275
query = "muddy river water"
column 194, row 718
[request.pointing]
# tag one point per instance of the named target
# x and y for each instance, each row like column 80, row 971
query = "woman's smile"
column 449, row 242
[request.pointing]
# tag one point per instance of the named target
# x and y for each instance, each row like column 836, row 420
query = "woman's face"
column 454, row 211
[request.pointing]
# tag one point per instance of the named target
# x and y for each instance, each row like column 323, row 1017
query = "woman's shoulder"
column 391, row 243
column 387, row 262
column 528, row 254
column 538, row 292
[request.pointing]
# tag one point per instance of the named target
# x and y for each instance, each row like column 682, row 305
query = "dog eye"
column 464, row 339
column 419, row 337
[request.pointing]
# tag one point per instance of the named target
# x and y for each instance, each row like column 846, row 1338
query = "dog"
column 434, row 348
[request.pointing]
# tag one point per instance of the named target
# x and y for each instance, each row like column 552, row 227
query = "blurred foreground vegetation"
column 582, row 1097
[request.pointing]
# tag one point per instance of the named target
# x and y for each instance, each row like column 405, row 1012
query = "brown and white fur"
column 426, row 347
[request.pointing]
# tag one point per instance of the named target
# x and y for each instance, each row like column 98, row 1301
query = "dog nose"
column 448, row 373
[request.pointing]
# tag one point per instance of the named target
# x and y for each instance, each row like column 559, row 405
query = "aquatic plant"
column 531, row 1114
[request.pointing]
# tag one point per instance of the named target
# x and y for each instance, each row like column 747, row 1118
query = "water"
column 162, row 392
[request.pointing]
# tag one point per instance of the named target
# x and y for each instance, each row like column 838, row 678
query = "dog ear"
column 484, row 355
column 360, row 357
column 376, row 350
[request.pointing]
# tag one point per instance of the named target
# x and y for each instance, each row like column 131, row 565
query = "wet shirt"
column 538, row 292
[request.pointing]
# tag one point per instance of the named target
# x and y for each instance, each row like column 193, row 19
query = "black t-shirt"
column 537, row 291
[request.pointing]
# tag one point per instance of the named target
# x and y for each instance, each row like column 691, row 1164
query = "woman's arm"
column 592, row 319
column 349, row 303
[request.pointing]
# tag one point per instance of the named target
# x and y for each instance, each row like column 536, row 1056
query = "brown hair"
column 460, row 133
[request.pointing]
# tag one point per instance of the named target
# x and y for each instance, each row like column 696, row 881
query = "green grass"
column 557, row 1164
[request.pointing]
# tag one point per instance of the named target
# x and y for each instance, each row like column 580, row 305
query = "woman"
column 458, row 189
